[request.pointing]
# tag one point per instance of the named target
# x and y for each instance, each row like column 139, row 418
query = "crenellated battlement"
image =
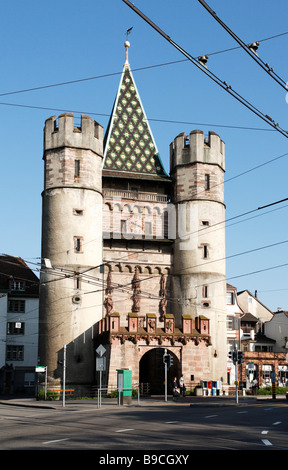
column 88, row 136
column 195, row 148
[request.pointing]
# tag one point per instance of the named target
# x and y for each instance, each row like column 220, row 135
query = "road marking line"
column 123, row 430
column 277, row 422
column 264, row 432
column 210, row 416
column 266, row 442
column 242, row 412
column 171, row 422
column 56, row 440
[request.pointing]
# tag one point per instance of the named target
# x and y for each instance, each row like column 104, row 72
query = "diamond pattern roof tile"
column 129, row 143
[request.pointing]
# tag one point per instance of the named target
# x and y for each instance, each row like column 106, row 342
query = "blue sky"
column 48, row 43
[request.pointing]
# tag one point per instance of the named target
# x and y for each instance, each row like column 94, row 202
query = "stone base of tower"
column 141, row 350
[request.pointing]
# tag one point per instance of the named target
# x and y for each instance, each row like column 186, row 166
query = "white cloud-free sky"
column 68, row 56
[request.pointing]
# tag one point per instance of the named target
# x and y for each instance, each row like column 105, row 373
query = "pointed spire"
column 127, row 45
column 129, row 145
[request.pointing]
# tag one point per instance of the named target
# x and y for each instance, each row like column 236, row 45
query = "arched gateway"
column 141, row 350
column 152, row 371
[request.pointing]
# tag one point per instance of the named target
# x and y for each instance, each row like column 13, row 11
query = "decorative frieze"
column 151, row 334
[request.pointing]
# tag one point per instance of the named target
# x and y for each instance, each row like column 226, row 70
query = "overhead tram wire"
column 125, row 288
column 210, row 74
column 138, row 69
column 66, row 273
column 61, row 110
column 246, row 47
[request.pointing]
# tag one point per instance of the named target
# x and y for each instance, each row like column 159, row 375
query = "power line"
column 250, row 49
column 126, row 287
column 203, row 68
column 138, row 69
column 61, row 110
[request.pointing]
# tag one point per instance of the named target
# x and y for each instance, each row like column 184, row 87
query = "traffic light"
column 168, row 359
column 233, row 356
column 240, row 357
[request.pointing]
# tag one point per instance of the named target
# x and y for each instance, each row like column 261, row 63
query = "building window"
column 266, row 374
column 236, row 323
column 207, row 182
column 29, row 379
column 205, row 251
column 14, row 353
column 15, row 328
column 78, row 211
column 17, row 285
column 16, row 306
column 148, row 228
column 78, row 244
column 232, row 344
column 123, row 226
column 77, row 169
column 77, row 282
column 205, row 291
column 230, row 298
column 232, row 323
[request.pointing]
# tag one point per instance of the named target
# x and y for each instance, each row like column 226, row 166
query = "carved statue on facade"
column 136, row 291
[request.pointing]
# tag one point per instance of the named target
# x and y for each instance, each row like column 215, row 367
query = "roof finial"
column 127, row 44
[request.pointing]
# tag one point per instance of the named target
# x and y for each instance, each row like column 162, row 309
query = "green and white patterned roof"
column 129, row 145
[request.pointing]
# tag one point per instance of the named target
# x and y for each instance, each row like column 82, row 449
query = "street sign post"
column 100, row 350
column 100, row 365
column 41, row 370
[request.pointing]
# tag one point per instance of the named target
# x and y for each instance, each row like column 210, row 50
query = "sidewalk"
column 144, row 401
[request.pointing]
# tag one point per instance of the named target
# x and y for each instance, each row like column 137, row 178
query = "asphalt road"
column 174, row 429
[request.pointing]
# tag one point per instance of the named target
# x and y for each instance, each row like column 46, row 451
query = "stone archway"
column 152, row 371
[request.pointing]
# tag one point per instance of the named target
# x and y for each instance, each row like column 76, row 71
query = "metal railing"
column 136, row 195
column 119, row 390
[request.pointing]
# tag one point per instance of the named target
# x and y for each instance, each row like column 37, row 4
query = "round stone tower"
column 199, row 273
column 70, row 287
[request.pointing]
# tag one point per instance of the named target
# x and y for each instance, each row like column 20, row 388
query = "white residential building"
column 19, row 311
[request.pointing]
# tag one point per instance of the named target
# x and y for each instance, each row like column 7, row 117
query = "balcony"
column 135, row 195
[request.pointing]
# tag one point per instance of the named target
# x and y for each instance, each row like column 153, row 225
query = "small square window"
column 78, row 211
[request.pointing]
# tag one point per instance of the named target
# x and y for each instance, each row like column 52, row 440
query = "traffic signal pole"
column 165, row 367
column 236, row 377
column 168, row 361
column 237, row 358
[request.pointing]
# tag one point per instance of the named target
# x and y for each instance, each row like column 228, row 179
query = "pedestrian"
column 175, row 388
column 182, row 386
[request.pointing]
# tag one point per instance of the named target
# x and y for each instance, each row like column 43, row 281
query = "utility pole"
column 64, row 375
